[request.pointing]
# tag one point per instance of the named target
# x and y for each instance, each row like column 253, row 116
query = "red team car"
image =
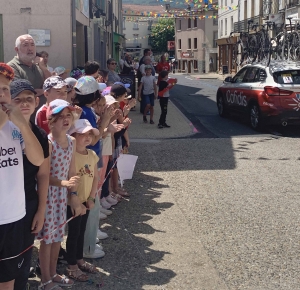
column 264, row 95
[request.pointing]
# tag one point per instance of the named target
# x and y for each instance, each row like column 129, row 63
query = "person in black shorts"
column 16, row 139
column 36, row 178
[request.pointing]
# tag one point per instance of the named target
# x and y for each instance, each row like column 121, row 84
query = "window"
column 150, row 22
column 179, row 24
column 226, row 26
column 195, row 22
column 135, row 40
column 221, row 28
column 195, row 64
column 195, row 43
column 136, row 25
column 189, row 23
column 215, row 35
column 179, row 43
column 189, row 43
column 215, row 18
column 287, row 76
column 124, row 21
column 239, row 76
column 252, row 75
column 232, row 25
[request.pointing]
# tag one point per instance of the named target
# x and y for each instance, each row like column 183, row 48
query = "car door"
column 234, row 92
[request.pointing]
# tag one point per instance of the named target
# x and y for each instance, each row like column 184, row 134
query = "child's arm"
column 126, row 136
column 33, row 148
column 140, row 89
column 155, row 88
column 90, row 203
column 42, row 178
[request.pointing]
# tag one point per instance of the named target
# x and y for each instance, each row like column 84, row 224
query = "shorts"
column 149, row 99
column 11, row 244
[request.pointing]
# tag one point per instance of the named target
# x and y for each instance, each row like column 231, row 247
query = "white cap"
column 110, row 100
column 86, row 85
column 82, row 126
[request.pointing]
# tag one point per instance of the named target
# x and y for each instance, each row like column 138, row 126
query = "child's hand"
column 78, row 110
column 113, row 127
column 38, row 222
column 127, row 122
column 76, row 205
column 14, row 114
column 83, row 209
column 132, row 103
column 90, row 204
column 73, row 182
column 118, row 113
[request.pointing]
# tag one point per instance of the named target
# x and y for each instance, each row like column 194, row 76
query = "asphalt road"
column 196, row 98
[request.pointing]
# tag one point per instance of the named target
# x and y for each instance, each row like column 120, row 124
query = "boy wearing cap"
column 54, row 88
column 16, row 137
column 61, row 72
column 86, row 168
column 149, row 87
column 36, row 178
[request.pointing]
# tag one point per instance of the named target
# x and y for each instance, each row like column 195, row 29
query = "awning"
column 118, row 37
column 227, row 40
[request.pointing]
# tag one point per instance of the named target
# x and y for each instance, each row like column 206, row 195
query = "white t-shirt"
column 107, row 145
column 149, row 82
column 12, row 194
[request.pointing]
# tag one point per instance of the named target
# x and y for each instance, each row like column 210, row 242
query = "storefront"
column 227, row 62
column 187, row 62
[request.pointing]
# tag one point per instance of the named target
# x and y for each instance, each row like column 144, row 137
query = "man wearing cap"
column 16, row 137
column 27, row 66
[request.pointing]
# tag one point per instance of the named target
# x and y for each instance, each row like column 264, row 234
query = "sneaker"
column 101, row 235
column 160, row 126
column 99, row 247
column 111, row 200
column 103, row 216
column 105, row 211
column 166, row 125
column 104, row 203
column 151, row 122
column 145, row 119
column 96, row 255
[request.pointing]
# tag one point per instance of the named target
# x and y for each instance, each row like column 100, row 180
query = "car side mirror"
column 228, row 80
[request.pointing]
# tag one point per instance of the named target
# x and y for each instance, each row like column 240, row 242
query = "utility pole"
column 74, row 41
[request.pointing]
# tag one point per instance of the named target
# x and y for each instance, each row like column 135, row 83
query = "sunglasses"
column 113, row 63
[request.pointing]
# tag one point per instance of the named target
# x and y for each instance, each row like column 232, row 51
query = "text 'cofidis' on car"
column 263, row 94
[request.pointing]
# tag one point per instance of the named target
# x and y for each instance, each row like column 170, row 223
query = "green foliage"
column 161, row 33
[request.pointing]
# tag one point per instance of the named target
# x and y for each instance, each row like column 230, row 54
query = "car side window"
column 238, row 78
column 252, row 75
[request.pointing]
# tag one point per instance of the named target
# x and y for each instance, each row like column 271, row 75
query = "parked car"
column 264, row 95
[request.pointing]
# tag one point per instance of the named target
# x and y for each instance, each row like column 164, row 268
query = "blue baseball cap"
column 124, row 85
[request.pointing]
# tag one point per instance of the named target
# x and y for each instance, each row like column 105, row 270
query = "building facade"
column 69, row 42
column 195, row 42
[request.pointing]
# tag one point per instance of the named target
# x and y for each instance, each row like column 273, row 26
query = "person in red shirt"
column 161, row 66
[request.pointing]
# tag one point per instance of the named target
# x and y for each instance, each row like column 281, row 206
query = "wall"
column 54, row 15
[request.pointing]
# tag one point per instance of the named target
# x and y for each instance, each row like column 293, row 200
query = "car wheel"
column 255, row 117
column 222, row 109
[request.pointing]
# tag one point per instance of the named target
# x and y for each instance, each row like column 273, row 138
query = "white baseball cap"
column 86, row 85
column 82, row 126
column 110, row 100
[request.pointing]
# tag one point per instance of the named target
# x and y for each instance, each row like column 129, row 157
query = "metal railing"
column 243, row 25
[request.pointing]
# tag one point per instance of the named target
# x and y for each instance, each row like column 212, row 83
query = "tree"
column 161, row 33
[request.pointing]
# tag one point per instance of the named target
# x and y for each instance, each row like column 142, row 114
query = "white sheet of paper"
column 126, row 164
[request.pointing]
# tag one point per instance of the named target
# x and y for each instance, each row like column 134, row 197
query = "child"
column 87, row 92
column 163, row 92
column 54, row 88
column 86, row 168
column 70, row 89
column 62, row 190
column 15, row 137
column 148, row 83
column 36, row 178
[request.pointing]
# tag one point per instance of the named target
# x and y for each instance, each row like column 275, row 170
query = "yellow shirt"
column 85, row 165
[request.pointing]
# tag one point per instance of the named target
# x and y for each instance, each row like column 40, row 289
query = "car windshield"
column 287, row 77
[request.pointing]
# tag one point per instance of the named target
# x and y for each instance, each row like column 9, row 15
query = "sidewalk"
column 180, row 125
column 212, row 76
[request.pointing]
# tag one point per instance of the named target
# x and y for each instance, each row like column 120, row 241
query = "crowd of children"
column 62, row 168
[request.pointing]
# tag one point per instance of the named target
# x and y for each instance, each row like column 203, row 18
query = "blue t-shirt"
column 89, row 114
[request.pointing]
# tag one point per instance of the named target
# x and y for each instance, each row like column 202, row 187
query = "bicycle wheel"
column 252, row 48
column 294, row 48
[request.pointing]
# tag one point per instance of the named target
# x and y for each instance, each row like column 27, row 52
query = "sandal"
column 64, row 281
column 77, row 275
column 42, row 286
column 88, row 268
column 123, row 193
column 117, row 196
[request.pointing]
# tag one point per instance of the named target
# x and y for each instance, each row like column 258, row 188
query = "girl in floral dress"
column 62, row 191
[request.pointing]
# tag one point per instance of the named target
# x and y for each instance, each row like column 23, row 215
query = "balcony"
column 243, row 25
column 133, row 45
